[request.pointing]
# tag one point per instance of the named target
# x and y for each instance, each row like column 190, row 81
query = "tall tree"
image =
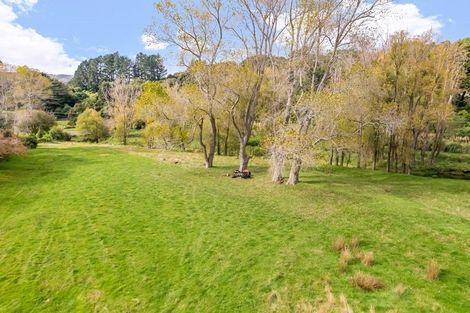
column 122, row 96
column 198, row 31
column 149, row 67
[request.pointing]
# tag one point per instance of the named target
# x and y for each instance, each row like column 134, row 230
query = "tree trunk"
column 213, row 142
column 227, row 134
column 294, row 172
column 277, row 164
column 244, row 157
column 389, row 154
column 342, row 158
column 331, row 155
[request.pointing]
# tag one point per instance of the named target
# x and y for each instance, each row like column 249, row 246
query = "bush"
column 34, row 121
column 91, row 125
column 45, row 138
column 30, row 141
column 10, row 145
column 59, row 134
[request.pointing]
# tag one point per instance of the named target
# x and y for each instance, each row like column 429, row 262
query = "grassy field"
column 88, row 228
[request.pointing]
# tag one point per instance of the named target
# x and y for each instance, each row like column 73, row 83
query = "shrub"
column 366, row 282
column 258, row 151
column 34, row 121
column 45, row 138
column 30, row 141
column 59, row 134
column 10, row 145
column 91, row 125
column 433, row 270
column 339, row 244
column 368, row 258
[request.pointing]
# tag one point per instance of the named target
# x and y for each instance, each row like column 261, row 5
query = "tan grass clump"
column 339, row 244
column 355, row 243
column 433, row 270
column 366, row 282
column 367, row 259
column 344, row 259
column 304, row 307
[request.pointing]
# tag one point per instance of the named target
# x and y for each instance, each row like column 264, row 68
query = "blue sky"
column 68, row 31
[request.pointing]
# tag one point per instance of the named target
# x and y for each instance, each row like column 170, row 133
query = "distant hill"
column 62, row 77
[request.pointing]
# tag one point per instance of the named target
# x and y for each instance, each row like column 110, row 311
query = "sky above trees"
column 55, row 35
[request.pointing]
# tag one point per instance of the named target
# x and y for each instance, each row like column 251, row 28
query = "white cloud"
column 151, row 43
column 407, row 17
column 25, row 46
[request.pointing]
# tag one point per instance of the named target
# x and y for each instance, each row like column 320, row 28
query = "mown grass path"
column 90, row 228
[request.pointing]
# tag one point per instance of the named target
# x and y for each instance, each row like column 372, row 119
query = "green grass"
column 93, row 228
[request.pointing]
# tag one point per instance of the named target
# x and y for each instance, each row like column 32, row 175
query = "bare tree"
column 121, row 97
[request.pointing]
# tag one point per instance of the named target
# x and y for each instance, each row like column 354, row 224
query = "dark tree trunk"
column 213, row 142
column 331, row 155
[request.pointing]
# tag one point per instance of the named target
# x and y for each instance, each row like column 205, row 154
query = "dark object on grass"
column 243, row 174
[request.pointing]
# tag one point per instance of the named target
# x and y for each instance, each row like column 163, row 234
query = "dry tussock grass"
column 368, row 258
column 433, row 270
column 354, row 243
column 366, row 282
column 344, row 259
column 339, row 244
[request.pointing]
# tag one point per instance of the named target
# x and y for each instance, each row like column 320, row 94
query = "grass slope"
column 90, row 228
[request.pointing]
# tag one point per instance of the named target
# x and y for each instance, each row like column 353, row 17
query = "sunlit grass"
column 88, row 227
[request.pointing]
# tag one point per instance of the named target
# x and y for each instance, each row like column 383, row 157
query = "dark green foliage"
column 61, row 99
column 59, row 134
column 30, row 141
column 92, row 73
column 149, row 67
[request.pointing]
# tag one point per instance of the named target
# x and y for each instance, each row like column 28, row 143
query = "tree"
column 198, row 31
column 149, row 67
column 122, row 96
column 166, row 119
column 316, row 32
column 7, row 104
column 31, row 88
column 91, row 125
column 60, row 99
column 91, row 74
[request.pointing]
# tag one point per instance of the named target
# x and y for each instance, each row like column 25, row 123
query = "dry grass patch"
column 344, row 259
column 339, row 244
column 354, row 243
column 368, row 258
column 433, row 270
column 366, row 282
